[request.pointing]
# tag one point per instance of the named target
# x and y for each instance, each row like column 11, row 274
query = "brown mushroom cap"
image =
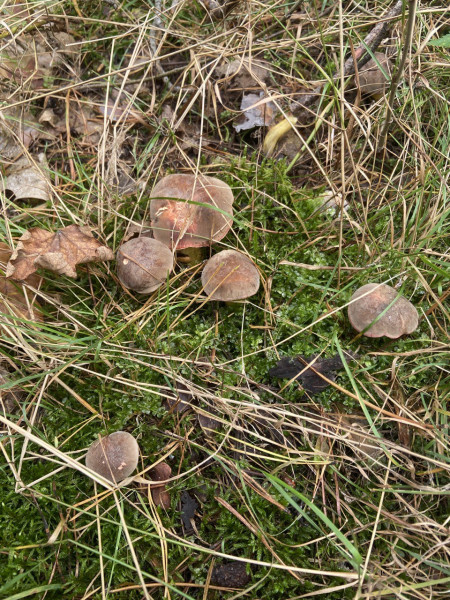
column 143, row 264
column 366, row 306
column 372, row 80
column 114, row 457
column 229, row 276
column 178, row 222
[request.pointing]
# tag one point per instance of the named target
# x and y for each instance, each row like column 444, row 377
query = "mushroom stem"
column 192, row 256
column 276, row 132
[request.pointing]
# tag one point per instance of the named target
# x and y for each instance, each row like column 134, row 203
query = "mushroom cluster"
column 195, row 212
column 188, row 211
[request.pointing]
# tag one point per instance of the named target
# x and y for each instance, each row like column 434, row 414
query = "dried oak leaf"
column 15, row 299
column 58, row 251
column 160, row 495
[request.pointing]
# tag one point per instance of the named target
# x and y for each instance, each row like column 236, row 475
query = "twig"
column 412, row 6
column 362, row 54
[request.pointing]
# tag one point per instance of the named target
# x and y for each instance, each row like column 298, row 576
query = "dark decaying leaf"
column 207, row 423
column 58, row 251
column 256, row 114
column 16, row 300
column 182, row 401
column 310, row 377
column 230, row 575
column 189, row 507
column 160, row 495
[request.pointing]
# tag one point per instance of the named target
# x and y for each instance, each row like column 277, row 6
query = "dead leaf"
column 362, row 441
column 182, row 401
column 59, row 252
column 84, row 122
column 17, row 131
column 310, row 377
column 49, row 116
column 245, row 73
column 66, row 44
column 256, row 114
column 119, row 179
column 134, row 230
column 207, row 423
column 119, row 112
column 26, row 179
column 189, row 507
column 160, row 495
column 17, row 301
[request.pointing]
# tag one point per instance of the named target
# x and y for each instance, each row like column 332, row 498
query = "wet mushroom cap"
column 372, row 80
column 114, row 457
column 230, row 276
column 143, row 264
column 187, row 211
column 370, row 301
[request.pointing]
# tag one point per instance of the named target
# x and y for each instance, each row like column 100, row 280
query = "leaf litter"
column 59, row 251
column 26, row 178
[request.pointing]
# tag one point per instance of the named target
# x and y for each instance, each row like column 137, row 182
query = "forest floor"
column 276, row 490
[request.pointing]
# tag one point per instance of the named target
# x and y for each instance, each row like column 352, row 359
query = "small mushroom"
column 369, row 313
column 143, row 264
column 114, row 457
column 372, row 78
column 230, row 276
column 187, row 211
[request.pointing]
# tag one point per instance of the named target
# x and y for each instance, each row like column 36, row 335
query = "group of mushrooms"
column 189, row 211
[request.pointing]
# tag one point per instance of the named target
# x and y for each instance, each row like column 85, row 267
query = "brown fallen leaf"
column 245, row 73
column 26, row 179
column 255, row 115
column 360, row 439
column 160, row 495
column 58, row 251
column 119, row 112
column 15, row 299
column 18, row 130
column 182, row 402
